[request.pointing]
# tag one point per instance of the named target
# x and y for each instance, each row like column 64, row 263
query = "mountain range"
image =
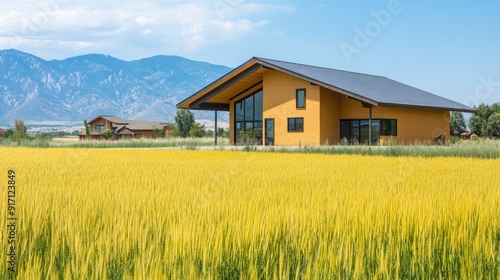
column 82, row 87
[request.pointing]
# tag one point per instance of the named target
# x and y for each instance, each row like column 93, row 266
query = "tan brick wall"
column 414, row 125
column 324, row 110
column 330, row 117
column 280, row 103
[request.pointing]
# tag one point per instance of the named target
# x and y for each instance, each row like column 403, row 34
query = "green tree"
column 222, row 133
column 19, row 129
column 197, row 131
column 87, row 128
column 108, row 134
column 9, row 132
column 209, row 133
column 457, row 121
column 478, row 123
column 172, row 131
column 493, row 125
column 184, row 120
column 158, row 132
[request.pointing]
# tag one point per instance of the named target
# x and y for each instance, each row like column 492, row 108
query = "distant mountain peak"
column 85, row 86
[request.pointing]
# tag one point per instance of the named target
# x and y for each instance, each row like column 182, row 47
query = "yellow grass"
column 135, row 214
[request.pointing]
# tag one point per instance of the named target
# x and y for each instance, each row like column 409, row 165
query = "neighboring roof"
column 112, row 119
column 132, row 124
column 125, row 132
column 144, row 125
column 375, row 90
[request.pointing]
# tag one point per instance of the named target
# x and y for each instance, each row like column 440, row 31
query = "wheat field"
column 153, row 214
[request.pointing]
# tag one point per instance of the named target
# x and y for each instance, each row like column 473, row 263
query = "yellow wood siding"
column 330, row 117
column 279, row 101
column 414, row 125
column 325, row 108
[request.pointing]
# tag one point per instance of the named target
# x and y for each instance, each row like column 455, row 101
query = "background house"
column 122, row 128
column 284, row 103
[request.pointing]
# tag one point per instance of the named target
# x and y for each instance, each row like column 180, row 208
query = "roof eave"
column 185, row 104
column 427, row 107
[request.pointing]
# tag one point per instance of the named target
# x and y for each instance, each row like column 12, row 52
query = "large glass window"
column 301, row 98
column 357, row 131
column 248, row 118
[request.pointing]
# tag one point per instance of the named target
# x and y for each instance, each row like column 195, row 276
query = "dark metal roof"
column 376, row 90
column 370, row 89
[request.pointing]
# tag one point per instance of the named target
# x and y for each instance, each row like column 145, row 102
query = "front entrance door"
column 269, row 132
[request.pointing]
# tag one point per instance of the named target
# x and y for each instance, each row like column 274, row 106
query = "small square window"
column 301, row 98
column 295, row 124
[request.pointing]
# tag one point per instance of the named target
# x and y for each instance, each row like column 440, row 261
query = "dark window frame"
column 294, row 128
column 100, row 127
column 244, row 122
column 266, row 135
column 297, row 98
column 382, row 122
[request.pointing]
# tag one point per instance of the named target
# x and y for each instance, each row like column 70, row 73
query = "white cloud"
column 144, row 20
column 114, row 26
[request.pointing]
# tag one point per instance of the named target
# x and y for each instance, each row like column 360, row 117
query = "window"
column 357, row 131
column 300, row 98
column 388, row 128
column 269, row 132
column 100, row 127
column 248, row 116
column 295, row 124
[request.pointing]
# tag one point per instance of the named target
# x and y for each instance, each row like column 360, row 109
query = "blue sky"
column 450, row 48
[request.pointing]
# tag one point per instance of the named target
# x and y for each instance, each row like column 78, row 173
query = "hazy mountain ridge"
column 82, row 87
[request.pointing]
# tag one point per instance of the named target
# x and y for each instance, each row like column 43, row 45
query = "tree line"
column 185, row 126
column 485, row 122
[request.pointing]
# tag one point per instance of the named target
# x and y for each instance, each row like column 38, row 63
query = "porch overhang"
column 218, row 95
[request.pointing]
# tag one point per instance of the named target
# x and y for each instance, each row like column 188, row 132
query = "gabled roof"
column 132, row 124
column 112, row 119
column 125, row 131
column 145, row 125
column 375, row 90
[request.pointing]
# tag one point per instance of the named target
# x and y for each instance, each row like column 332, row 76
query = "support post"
column 215, row 129
column 370, row 128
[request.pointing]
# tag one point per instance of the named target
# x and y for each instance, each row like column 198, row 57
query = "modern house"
column 284, row 103
column 123, row 129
